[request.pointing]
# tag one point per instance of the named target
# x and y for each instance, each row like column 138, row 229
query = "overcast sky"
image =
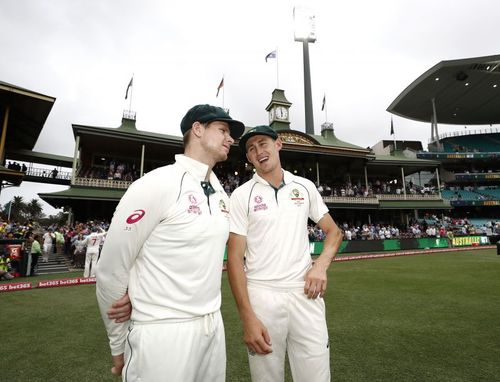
column 84, row 52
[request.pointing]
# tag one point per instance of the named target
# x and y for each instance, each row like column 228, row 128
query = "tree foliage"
column 20, row 211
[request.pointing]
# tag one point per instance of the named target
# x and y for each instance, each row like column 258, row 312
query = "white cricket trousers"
column 176, row 351
column 296, row 325
column 90, row 264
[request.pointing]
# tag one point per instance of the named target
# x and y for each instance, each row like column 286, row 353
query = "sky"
column 84, row 53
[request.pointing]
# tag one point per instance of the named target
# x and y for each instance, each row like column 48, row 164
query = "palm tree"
column 34, row 209
column 18, row 209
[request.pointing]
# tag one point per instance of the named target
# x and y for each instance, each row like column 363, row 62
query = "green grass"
column 417, row 318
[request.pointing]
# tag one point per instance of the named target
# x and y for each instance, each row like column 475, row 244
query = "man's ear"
column 279, row 144
column 197, row 129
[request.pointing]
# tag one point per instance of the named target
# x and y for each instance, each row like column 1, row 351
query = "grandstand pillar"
column 4, row 134
column 142, row 160
column 317, row 174
column 438, row 182
column 70, row 216
column 434, row 118
column 403, row 178
column 75, row 159
column 415, row 213
column 366, row 179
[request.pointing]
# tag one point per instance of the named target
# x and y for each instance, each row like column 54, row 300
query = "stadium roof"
column 28, row 112
column 38, row 157
column 81, row 193
column 466, row 92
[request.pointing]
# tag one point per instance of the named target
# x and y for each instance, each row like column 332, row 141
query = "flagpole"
column 223, row 91
column 393, row 133
column 10, row 209
column 277, row 70
column 131, row 92
column 326, row 113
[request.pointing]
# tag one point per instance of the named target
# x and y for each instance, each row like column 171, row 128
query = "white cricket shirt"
column 166, row 245
column 275, row 225
column 93, row 241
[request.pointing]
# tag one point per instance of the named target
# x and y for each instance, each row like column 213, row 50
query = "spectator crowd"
column 69, row 241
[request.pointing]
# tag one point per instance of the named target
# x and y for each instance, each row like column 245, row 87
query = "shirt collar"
column 198, row 170
column 287, row 178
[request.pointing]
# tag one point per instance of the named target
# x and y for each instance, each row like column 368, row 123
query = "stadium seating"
column 461, row 195
column 492, row 193
column 473, row 143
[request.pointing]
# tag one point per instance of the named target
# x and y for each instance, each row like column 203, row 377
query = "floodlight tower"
column 305, row 32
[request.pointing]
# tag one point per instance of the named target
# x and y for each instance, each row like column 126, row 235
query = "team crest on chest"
column 296, row 197
column 259, row 204
column 222, row 206
column 193, row 206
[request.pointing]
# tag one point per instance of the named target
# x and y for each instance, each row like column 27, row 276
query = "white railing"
column 45, row 173
column 377, row 198
column 407, row 197
column 102, row 183
column 350, row 200
column 460, row 133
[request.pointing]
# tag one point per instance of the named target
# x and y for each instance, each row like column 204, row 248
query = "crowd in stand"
column 374, row 188
column 68, row 241
column 113, row 170
column 445, row 227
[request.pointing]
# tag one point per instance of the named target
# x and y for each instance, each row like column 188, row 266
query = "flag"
column 324, row 102
column 221, row 85
column 128, row 87
column 271, row 55
column 392, row 127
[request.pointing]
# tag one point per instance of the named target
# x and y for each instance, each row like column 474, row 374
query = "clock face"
column 281, row 112
column 271, row 115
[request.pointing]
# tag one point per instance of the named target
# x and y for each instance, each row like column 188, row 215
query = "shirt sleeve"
column 136, row 216
column 238, row 214
column 317, row 207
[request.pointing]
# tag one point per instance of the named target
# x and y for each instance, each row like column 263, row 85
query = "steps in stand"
column 56, row 264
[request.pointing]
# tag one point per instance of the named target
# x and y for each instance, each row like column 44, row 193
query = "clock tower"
column 279, row 111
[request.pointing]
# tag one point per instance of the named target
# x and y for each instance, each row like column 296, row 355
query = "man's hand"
column 117, row 364
column 315, row 280
column 256, row 336
column 121, row 309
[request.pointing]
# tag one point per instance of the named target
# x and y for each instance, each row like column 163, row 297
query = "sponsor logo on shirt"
column 222, row 206
column 136, row 216
column 297, row 197
column 193, row 208
column 259, row 205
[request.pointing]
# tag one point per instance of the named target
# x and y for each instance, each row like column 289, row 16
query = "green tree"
column 18, row 209
column 34, row 209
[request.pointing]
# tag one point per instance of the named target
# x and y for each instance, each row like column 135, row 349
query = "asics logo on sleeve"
column 136, row 216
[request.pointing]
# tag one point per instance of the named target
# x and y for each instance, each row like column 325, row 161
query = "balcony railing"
column 102, row 183
column 349, row 200
column 408, row 197
column 460, row 133
column 45, row 173
column 377, row 198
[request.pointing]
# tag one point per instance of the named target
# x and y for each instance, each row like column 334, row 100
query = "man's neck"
column 274, row 178
column 200, row 158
